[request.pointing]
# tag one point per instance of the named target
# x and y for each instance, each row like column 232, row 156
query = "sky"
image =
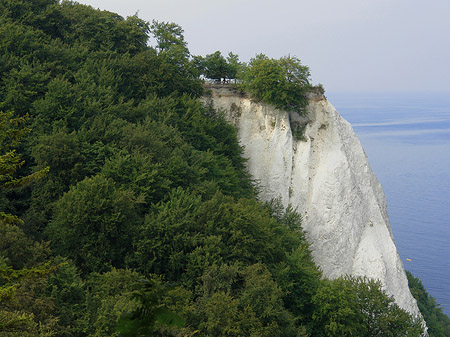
column 349, row 45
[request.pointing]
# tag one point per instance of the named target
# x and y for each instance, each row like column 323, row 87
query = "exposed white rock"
column 327, row 177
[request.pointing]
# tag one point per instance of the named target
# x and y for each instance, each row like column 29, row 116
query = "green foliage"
column 68, row 291
column 94, row 224
column 24, row 308
column 150, row 312
column 173, row 51
column 216, row 66
column 143, row 176
column 282, row 82
column 298, row 131
column 20, row 251
column 23, row 311
column 168, row 35
column 107, row 299
column 237, row 300
column 438, row 323
column 233, row 66
column 11, row 132
column 191, row 241
column 102, row 30
column 358, row 306
column 185, row 231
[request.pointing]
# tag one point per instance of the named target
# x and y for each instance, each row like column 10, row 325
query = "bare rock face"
column 316, row 163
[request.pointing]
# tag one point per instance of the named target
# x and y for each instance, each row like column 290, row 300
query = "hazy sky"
column 349, row 45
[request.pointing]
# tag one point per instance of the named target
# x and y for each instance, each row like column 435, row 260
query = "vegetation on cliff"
column 282, row 82
column 437, row 322
column 147, row 222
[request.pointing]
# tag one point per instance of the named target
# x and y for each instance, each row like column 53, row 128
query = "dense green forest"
column 125, row 206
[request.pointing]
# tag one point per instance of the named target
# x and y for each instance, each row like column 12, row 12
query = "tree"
column 94, row 224
column 168, row 35
column 355, row 306
column 216, row 66
column 24, row 310
column 68, row 292
column 198, row 63
column 280, row 82
column 233, row 66
column 438, row 323
column 237, row 300
column 173, row 61
column 11, row 132
column 102, row 30
column 20, row 311
column 108, row 297
column 150, row 314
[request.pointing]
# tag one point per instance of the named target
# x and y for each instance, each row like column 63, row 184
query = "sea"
column 406, row 137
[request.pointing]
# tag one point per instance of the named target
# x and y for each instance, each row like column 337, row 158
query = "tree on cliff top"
column 279, row 82
column 216, row 67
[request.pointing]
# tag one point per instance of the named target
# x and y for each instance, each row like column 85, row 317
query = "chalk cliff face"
column 324, row 172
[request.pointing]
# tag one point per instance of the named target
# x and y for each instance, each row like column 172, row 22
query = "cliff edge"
column 316, row 163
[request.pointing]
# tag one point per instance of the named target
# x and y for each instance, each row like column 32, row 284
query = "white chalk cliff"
column 326, row 176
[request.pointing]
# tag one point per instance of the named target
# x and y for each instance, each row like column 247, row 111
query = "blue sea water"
column 407, row 140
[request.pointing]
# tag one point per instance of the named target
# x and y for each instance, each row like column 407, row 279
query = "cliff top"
column 315, row 93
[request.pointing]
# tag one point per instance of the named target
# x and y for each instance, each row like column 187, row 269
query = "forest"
column 125, row 205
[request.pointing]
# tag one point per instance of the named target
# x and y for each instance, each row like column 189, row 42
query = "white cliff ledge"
column 326, row 175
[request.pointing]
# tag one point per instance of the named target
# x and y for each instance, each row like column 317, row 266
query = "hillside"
column 126, row 205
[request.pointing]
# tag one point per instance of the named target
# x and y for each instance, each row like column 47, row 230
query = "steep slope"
column 324, row 172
